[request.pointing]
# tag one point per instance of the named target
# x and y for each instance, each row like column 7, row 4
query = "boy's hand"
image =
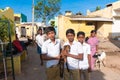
column 58, row 57
column 66, row 54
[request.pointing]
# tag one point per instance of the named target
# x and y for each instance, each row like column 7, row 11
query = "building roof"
column 40, row 24
column 89, row 18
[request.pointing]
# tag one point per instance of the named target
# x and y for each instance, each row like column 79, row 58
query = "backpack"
column 17, row 44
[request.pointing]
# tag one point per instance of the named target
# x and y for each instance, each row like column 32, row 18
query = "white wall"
column 116, row 27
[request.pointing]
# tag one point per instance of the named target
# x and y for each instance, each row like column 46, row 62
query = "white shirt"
column 75, row 49
column 39, row 40
column 52, row 50
column 84, row 63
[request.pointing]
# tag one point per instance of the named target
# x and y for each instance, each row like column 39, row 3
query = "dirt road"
column 31, row 69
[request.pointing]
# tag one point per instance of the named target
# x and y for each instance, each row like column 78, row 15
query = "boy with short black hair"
column 39, row 41
column 84, row 65
column 73, row 56
column 50, row 53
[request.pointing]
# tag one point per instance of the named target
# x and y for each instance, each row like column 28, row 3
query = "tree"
column 97, row 8
column 4, row 28
column 46, row 9
column 52, row 23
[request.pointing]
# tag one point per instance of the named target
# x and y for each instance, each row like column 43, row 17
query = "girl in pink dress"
column 93, row 42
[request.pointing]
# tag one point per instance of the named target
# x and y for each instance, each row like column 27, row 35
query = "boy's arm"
column 44, row 53
column 89, row 60
column 45, row 57
column 80, row 53
column 79, row 56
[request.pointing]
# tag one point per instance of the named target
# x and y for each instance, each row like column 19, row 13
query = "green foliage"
column 53, row 23
column 46, row 9
column 4, row 28
column 97, row 8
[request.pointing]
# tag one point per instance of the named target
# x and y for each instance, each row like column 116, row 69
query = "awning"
column 92, row 19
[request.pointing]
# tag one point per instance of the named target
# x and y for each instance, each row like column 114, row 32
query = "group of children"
column 78, row 59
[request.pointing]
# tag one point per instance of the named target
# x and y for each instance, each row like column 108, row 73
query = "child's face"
column 93, row 34
column 40, row 32
column 51, row 35
column 81, row 38
column 70, row 37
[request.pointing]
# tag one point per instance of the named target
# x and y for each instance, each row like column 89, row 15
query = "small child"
column 84, row 65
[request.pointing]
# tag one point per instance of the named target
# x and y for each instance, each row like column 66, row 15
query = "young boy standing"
column 39, row 41
column 50, row 53
column 84, row 65
column 73, row 57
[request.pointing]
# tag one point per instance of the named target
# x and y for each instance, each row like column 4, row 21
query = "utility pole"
column 33, row 19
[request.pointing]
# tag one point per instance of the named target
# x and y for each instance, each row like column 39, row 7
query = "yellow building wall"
column 107, row 29
column 65, row 23
column 28, row 29
column 9, row 14
column 104, row 29
column 18, row 15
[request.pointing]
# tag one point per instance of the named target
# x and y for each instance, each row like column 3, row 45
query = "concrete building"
column 111, row 11
column 9, row 14
column 25, row 28
column 19, row 18
column 83, row 23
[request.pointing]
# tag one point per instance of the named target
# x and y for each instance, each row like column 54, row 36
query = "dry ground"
column 31, row 69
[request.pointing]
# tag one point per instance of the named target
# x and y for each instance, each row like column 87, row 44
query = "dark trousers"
column 84, row 74
column 39, row 52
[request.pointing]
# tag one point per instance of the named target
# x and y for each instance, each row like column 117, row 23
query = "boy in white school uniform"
column 84, row 65
column 39, row 41
column 51, row 53
column 73, row 56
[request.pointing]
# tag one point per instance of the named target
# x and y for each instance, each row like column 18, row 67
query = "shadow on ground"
column 97, row 75
column 115, row 42
column 31, row 68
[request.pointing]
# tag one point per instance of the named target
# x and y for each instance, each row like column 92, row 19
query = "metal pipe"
column 4, row 62
column 33, row 19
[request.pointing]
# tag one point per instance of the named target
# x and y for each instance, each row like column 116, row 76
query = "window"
column 89, row 23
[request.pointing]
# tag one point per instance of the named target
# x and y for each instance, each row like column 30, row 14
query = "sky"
column 25, row 6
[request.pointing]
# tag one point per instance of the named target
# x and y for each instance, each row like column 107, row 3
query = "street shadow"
column 97, row 75
column 115, row 42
